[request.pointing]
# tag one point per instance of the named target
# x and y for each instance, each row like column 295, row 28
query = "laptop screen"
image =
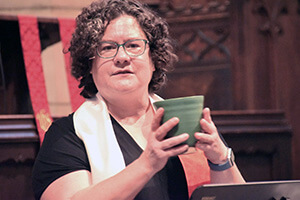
column 270, row 190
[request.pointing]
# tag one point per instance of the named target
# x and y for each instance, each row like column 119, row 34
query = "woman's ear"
column 153, row 67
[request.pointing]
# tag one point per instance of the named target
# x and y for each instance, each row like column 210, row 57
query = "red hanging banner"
column 31, row 46
column 66, row 28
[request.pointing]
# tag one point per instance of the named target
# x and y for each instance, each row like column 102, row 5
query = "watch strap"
column 221, row 167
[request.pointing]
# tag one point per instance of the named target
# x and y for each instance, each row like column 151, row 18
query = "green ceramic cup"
column 188, row 110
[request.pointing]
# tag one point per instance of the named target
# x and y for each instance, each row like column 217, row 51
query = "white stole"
column 93, row 126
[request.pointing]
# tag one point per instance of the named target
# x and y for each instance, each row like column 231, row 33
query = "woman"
column 113, row 146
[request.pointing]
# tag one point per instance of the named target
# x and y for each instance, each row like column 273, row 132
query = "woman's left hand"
column 209, row 140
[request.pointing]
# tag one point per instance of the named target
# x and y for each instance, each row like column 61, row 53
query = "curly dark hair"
column 90, row 27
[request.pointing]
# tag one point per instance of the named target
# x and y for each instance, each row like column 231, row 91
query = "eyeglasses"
column 108, row 49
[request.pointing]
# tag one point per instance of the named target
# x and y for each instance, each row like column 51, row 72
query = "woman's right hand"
column 158, row 149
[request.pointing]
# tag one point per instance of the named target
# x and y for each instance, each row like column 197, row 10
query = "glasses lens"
column 135, row 47
column 107, row 49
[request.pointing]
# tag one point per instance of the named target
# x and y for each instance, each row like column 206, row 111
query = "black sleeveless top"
column 63, row 152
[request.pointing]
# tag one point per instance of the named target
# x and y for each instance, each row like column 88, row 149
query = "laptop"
column 268, row 190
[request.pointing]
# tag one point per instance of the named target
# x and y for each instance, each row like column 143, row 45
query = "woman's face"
column 123, row 74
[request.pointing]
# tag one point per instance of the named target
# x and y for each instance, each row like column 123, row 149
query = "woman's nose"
column 121, row 57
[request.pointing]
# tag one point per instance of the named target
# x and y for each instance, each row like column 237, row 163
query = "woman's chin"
column 125, row 88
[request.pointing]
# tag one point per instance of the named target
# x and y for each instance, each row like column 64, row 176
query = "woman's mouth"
column 122, row 72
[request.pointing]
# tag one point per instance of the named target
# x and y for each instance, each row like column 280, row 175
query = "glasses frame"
column 122, row 45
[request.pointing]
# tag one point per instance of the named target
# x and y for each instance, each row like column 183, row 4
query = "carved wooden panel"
column 181, row 9
column 270, row 13
column 261, row 141
column 201, row 30
column 19, row 145
column 265, row 62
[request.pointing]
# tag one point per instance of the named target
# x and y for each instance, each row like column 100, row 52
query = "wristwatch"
column 221, row 167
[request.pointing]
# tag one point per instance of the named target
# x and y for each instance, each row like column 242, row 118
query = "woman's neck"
column 128, row 109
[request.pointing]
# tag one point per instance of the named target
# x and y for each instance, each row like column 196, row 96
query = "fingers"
column 157, row 118
column 174, row 141
column 206, row 122
column 158, row 152
column 170, row 146
column 173, row 146
column 204, row 147
column 204, row 141
column 204, row 138
column 162, row 130
column 209, row 140
column 206, row 115
column 177, row 150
